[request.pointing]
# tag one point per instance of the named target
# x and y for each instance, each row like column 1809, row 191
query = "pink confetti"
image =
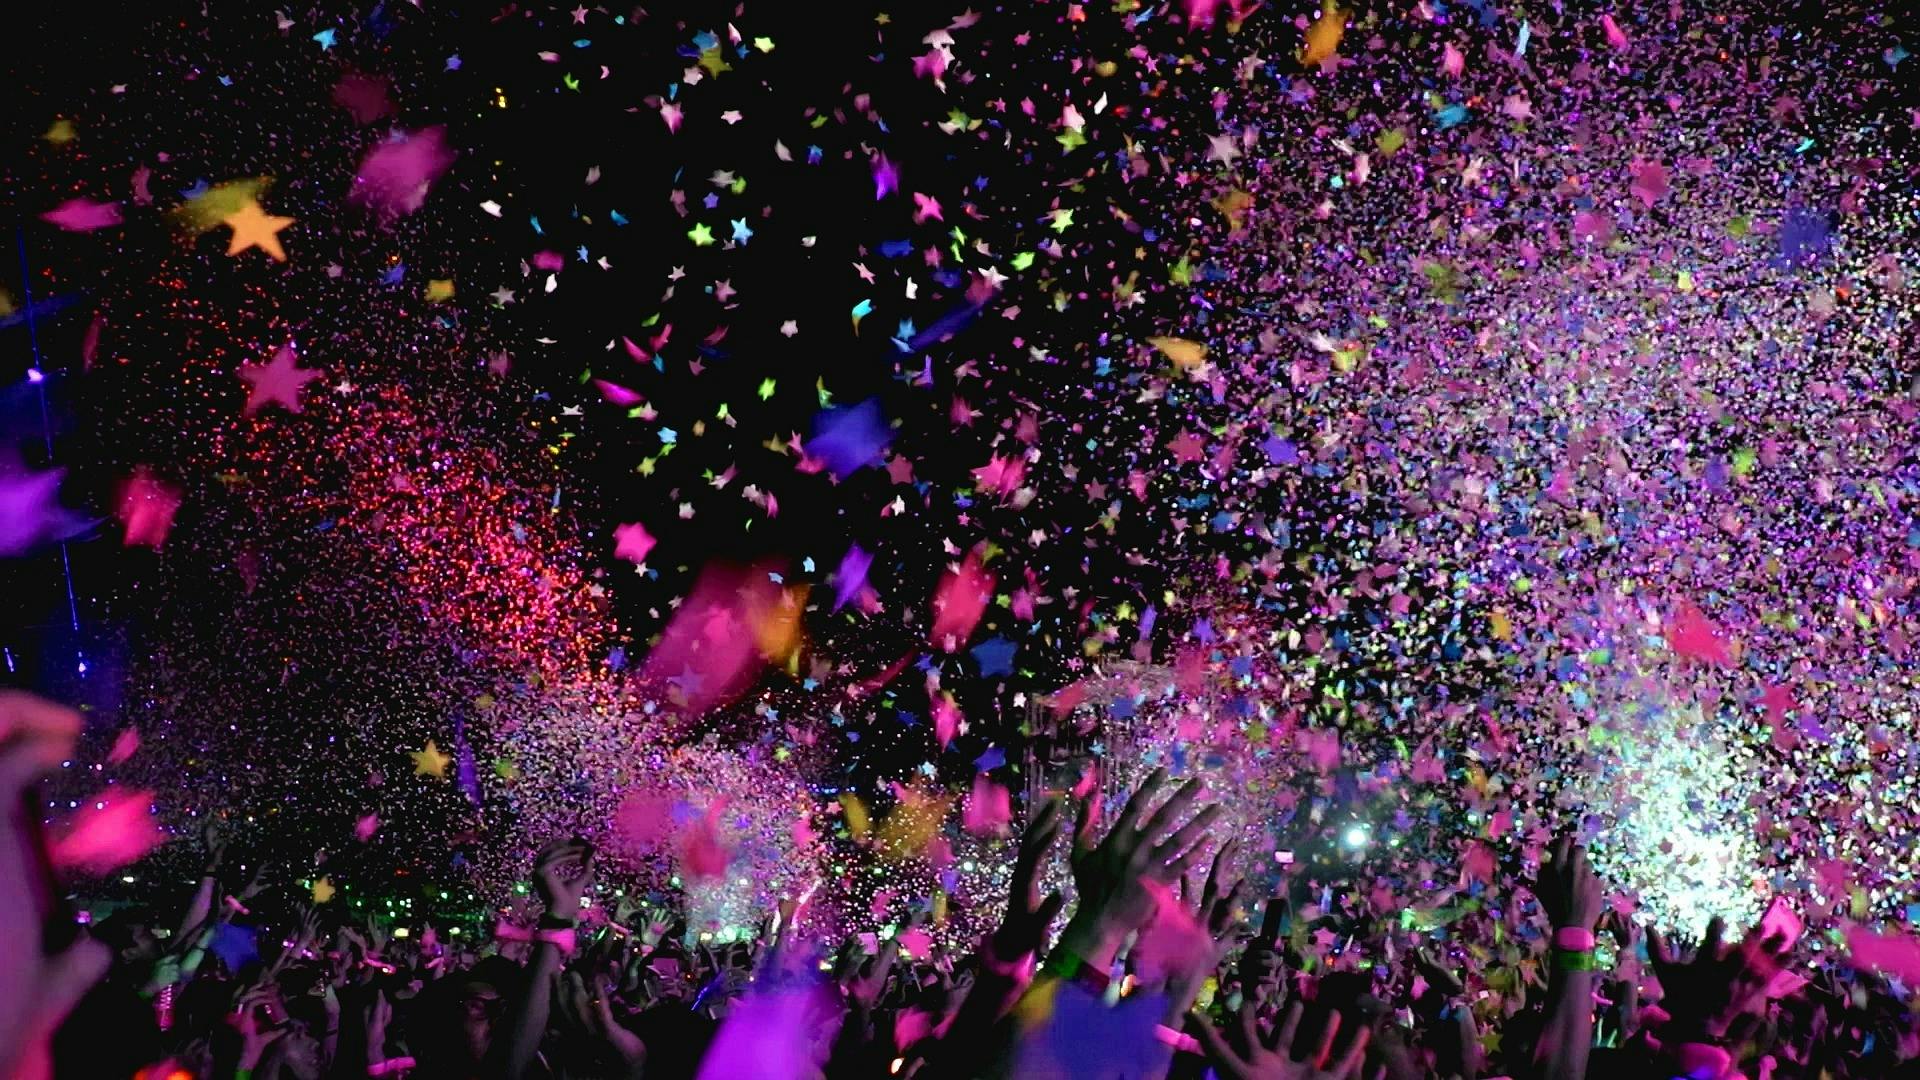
column 125, row 745
column 1478, row 863
column 915, row 943
column 1321, row 746
column 363, row 96
column 90, row 342
column 81, row 215
column 395, row 175
column 631, row 542
column 988, row 809
column 1001, row 476
column 1173, row 943
column 959, row 602
column 1895, row 954
column 707, row 654
column 912, row 1025
column 946, row 719
column 1083, row 787
column 1650, row 182
column 1692, row 635
column 703, row 854
column 1200, row 13
column 111, row 831
column 147, row 507
column 617, row 394
column 1616, row 37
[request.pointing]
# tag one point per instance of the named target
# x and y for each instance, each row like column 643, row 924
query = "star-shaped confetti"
column 277, row 383
column 632, row 542
column 254, row 227
column 431, row 761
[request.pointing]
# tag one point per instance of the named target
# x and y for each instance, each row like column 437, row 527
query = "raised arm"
column 562, row 874
column 1570, row 893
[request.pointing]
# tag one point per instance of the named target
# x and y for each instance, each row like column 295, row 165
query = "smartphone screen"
column 1275, row 921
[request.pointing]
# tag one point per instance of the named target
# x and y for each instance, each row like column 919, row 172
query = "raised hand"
column 1568, row 888
column 256, row 882
column 41, row 978
column 216, row 846
column 1111, row 875
column 307, row 930
column 1439, row 975
column 1570, row 892
column 562, row 874
column 1271, row 1058
column 1626, row 940
column 1705, row 991
column 863, row 979
column 1216, row 912
column 1024, row 927
column 621, row 1042
column 245, row 1021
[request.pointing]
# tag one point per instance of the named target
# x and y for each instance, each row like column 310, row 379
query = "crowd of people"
column 1162, row 968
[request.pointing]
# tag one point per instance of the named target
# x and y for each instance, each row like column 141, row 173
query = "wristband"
column 1019, row 968
column 559, row 936
column 1070, row 968
column 1179, row 1040
column 391, row 1065
column 1564, row 960
column 1573, row 939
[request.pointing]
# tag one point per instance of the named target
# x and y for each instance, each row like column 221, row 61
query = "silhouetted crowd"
column 1159, row 969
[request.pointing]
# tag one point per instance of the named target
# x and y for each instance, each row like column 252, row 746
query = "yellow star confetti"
column 254, row 227
column 431, row 762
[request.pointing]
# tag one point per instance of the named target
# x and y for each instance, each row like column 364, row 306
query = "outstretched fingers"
column 1289, row 1027
column 1184, row 846
column 1228, row 1063
column 1142, row 797
column 1170, row 812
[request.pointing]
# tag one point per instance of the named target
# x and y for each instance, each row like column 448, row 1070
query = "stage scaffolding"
column 1060, row 741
